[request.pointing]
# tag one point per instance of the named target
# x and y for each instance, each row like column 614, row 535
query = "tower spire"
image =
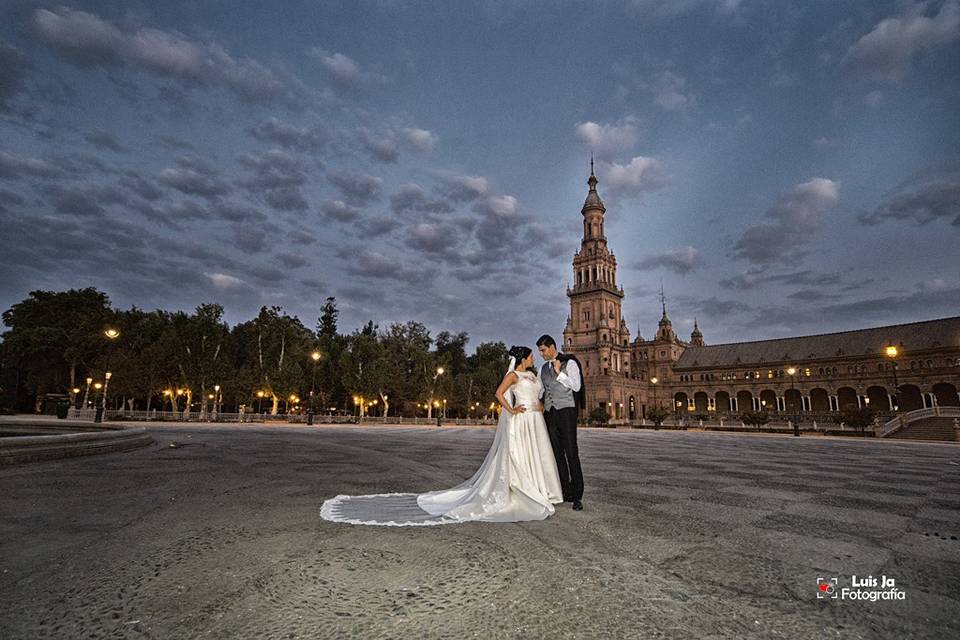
column 663, row 299
column 593, row 200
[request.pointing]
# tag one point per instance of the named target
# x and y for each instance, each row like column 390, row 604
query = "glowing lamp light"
column 111, row 333
column 891, row 351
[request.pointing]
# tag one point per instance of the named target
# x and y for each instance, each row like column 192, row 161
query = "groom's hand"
column 556, row 366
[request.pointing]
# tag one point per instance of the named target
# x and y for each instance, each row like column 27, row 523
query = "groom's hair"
column 546, row 340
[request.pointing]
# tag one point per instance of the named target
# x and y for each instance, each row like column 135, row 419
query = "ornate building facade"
column 899, row 367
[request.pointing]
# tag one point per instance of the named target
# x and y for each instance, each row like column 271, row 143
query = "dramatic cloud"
column 89, row 201
column 193, row 178
column 680, row 261
column 462, row 188
column 670, row 92
column 344, row 69
column 339, row 210
column 631, row 180
column 928, row 195
column 420, row 139
column 105, row 140
column 372, row 264
column 86, row 40
column 412, row 197
column 381, row 148
column 10, row 199
column 274, row 131
column 359, row 187
column 16, row 166
column 885, row 52
column 677, row 8
column 714, row 307
column 607, row 140
column 796, row 215
column 757, row 276
column 277, row 180
column 224, row 281
column 13, row 66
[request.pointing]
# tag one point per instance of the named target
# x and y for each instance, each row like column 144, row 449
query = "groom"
column 563, row 395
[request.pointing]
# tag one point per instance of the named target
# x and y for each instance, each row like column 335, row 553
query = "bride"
column 517, row 480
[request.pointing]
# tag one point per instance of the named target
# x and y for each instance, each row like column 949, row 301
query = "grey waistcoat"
column 555, row 395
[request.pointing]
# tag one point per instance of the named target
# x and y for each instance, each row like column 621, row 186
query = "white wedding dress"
column 517, row 480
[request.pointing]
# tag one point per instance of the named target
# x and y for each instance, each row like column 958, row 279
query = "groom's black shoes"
column 577, row 505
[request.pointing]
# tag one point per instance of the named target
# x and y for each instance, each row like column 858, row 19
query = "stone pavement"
column 683, row 535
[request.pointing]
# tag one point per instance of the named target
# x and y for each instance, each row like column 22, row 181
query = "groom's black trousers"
column 562, row 427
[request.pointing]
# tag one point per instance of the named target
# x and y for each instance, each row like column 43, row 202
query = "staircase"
column 936, row 423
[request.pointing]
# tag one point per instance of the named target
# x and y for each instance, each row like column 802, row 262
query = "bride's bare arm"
column 508, row 381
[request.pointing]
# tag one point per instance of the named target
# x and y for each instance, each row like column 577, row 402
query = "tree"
column 657, row 415
column 275, row 353
column 54, row 339
column 486, row 367
column 599, row 417
column 859, row 418
column 363, row 365
column 405, row 357
column 755, row 418
column 327, row 322
column 455, row 385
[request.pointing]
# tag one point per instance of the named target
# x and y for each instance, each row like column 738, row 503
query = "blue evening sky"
column 784, row 168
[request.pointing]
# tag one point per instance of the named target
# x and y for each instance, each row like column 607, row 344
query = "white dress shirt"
column 570, row 378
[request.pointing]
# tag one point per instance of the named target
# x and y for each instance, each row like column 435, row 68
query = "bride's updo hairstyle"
column 520, row 353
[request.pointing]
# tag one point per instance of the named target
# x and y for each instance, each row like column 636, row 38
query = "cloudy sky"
column 783, row 167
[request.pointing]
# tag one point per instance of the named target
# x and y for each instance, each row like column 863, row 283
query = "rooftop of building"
column 910, row 337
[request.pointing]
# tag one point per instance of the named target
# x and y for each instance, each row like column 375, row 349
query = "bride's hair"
column 520, row 353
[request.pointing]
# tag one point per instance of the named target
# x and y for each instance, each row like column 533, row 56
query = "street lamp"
column 892, row 352
column 111, row 334
column 260, row 395
column 216, row 400
column 315, row 356
column 432, row 387
column 86, row 394
column 792, row 371
column 102, row 408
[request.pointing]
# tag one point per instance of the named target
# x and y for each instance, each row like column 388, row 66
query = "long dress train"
column 517, row 481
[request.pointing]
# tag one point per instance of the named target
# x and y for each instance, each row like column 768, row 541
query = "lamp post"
column 792, row 371
column 315, row 356
column 216, row 401
column 86, row 394
column 433, row 386
column 654, row 380
column 260, row 395
column 892, row 352
column 111, row 334
column 102, row 407
column 98, row 407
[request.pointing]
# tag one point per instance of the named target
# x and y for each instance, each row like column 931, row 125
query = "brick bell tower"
column 595, row 330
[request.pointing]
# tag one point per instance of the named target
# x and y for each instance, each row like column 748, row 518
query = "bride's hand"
column 519, row 409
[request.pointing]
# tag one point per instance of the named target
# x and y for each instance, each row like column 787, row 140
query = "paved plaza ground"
column 683, row 535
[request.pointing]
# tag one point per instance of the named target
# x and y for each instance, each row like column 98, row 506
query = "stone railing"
column 293, row 418
column 904, row 419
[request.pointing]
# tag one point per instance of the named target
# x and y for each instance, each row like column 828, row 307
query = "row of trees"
column 55, row 340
